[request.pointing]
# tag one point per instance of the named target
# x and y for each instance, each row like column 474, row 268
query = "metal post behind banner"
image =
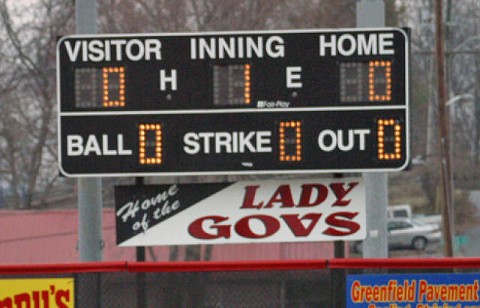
column 140, row 257
column 89, row 190
column 371, row 13
column 338, row 276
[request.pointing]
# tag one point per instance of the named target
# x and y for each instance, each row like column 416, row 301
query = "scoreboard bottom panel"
column 233, row 143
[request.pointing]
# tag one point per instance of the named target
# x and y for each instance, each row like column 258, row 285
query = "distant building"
column 51, row 237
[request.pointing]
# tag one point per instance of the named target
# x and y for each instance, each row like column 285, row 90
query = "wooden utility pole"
column 443, row 123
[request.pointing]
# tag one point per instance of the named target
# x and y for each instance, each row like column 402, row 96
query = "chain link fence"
column 230, row 287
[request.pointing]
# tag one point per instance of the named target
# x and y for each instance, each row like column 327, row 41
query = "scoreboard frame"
column 271, row 83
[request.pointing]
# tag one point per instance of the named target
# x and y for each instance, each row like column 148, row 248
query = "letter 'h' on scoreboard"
column 303, row 101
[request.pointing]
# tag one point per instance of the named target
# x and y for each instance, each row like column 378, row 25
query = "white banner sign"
column 292, row 210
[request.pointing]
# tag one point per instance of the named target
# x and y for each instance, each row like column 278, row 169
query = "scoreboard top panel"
column 234, row 70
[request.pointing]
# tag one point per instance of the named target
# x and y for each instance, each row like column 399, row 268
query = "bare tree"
column 28, row 130
column 117, row 16
column 462, row 43
column 222, row 15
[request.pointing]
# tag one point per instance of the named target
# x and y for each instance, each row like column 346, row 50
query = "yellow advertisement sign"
column 41, row 292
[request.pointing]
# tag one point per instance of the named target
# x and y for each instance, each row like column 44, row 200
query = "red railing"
column 225, row 266
column 398, row 263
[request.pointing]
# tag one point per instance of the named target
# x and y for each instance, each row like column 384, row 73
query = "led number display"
column 232, row 85
column 250, row 102
column 290, row 141
column 389, row 132
column 366, row 81
column 150, row 144
column 99, row 87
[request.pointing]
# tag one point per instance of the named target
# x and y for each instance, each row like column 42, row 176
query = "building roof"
column 51, row 237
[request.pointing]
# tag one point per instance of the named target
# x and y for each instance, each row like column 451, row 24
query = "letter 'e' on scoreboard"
column 256, row 102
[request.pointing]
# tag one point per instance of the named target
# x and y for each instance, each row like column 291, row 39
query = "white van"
column 399, row 211
column 405, row 211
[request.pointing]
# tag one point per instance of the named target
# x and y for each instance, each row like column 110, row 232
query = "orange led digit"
column 379, row 85
column 246, row 76
column 290, row 141
column 150, row 144
column 389, row 142
column 113, row 80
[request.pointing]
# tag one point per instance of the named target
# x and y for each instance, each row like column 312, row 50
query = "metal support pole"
column 371, row 13
column 89, row 190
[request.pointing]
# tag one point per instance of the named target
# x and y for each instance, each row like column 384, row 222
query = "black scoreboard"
column 233, row 102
